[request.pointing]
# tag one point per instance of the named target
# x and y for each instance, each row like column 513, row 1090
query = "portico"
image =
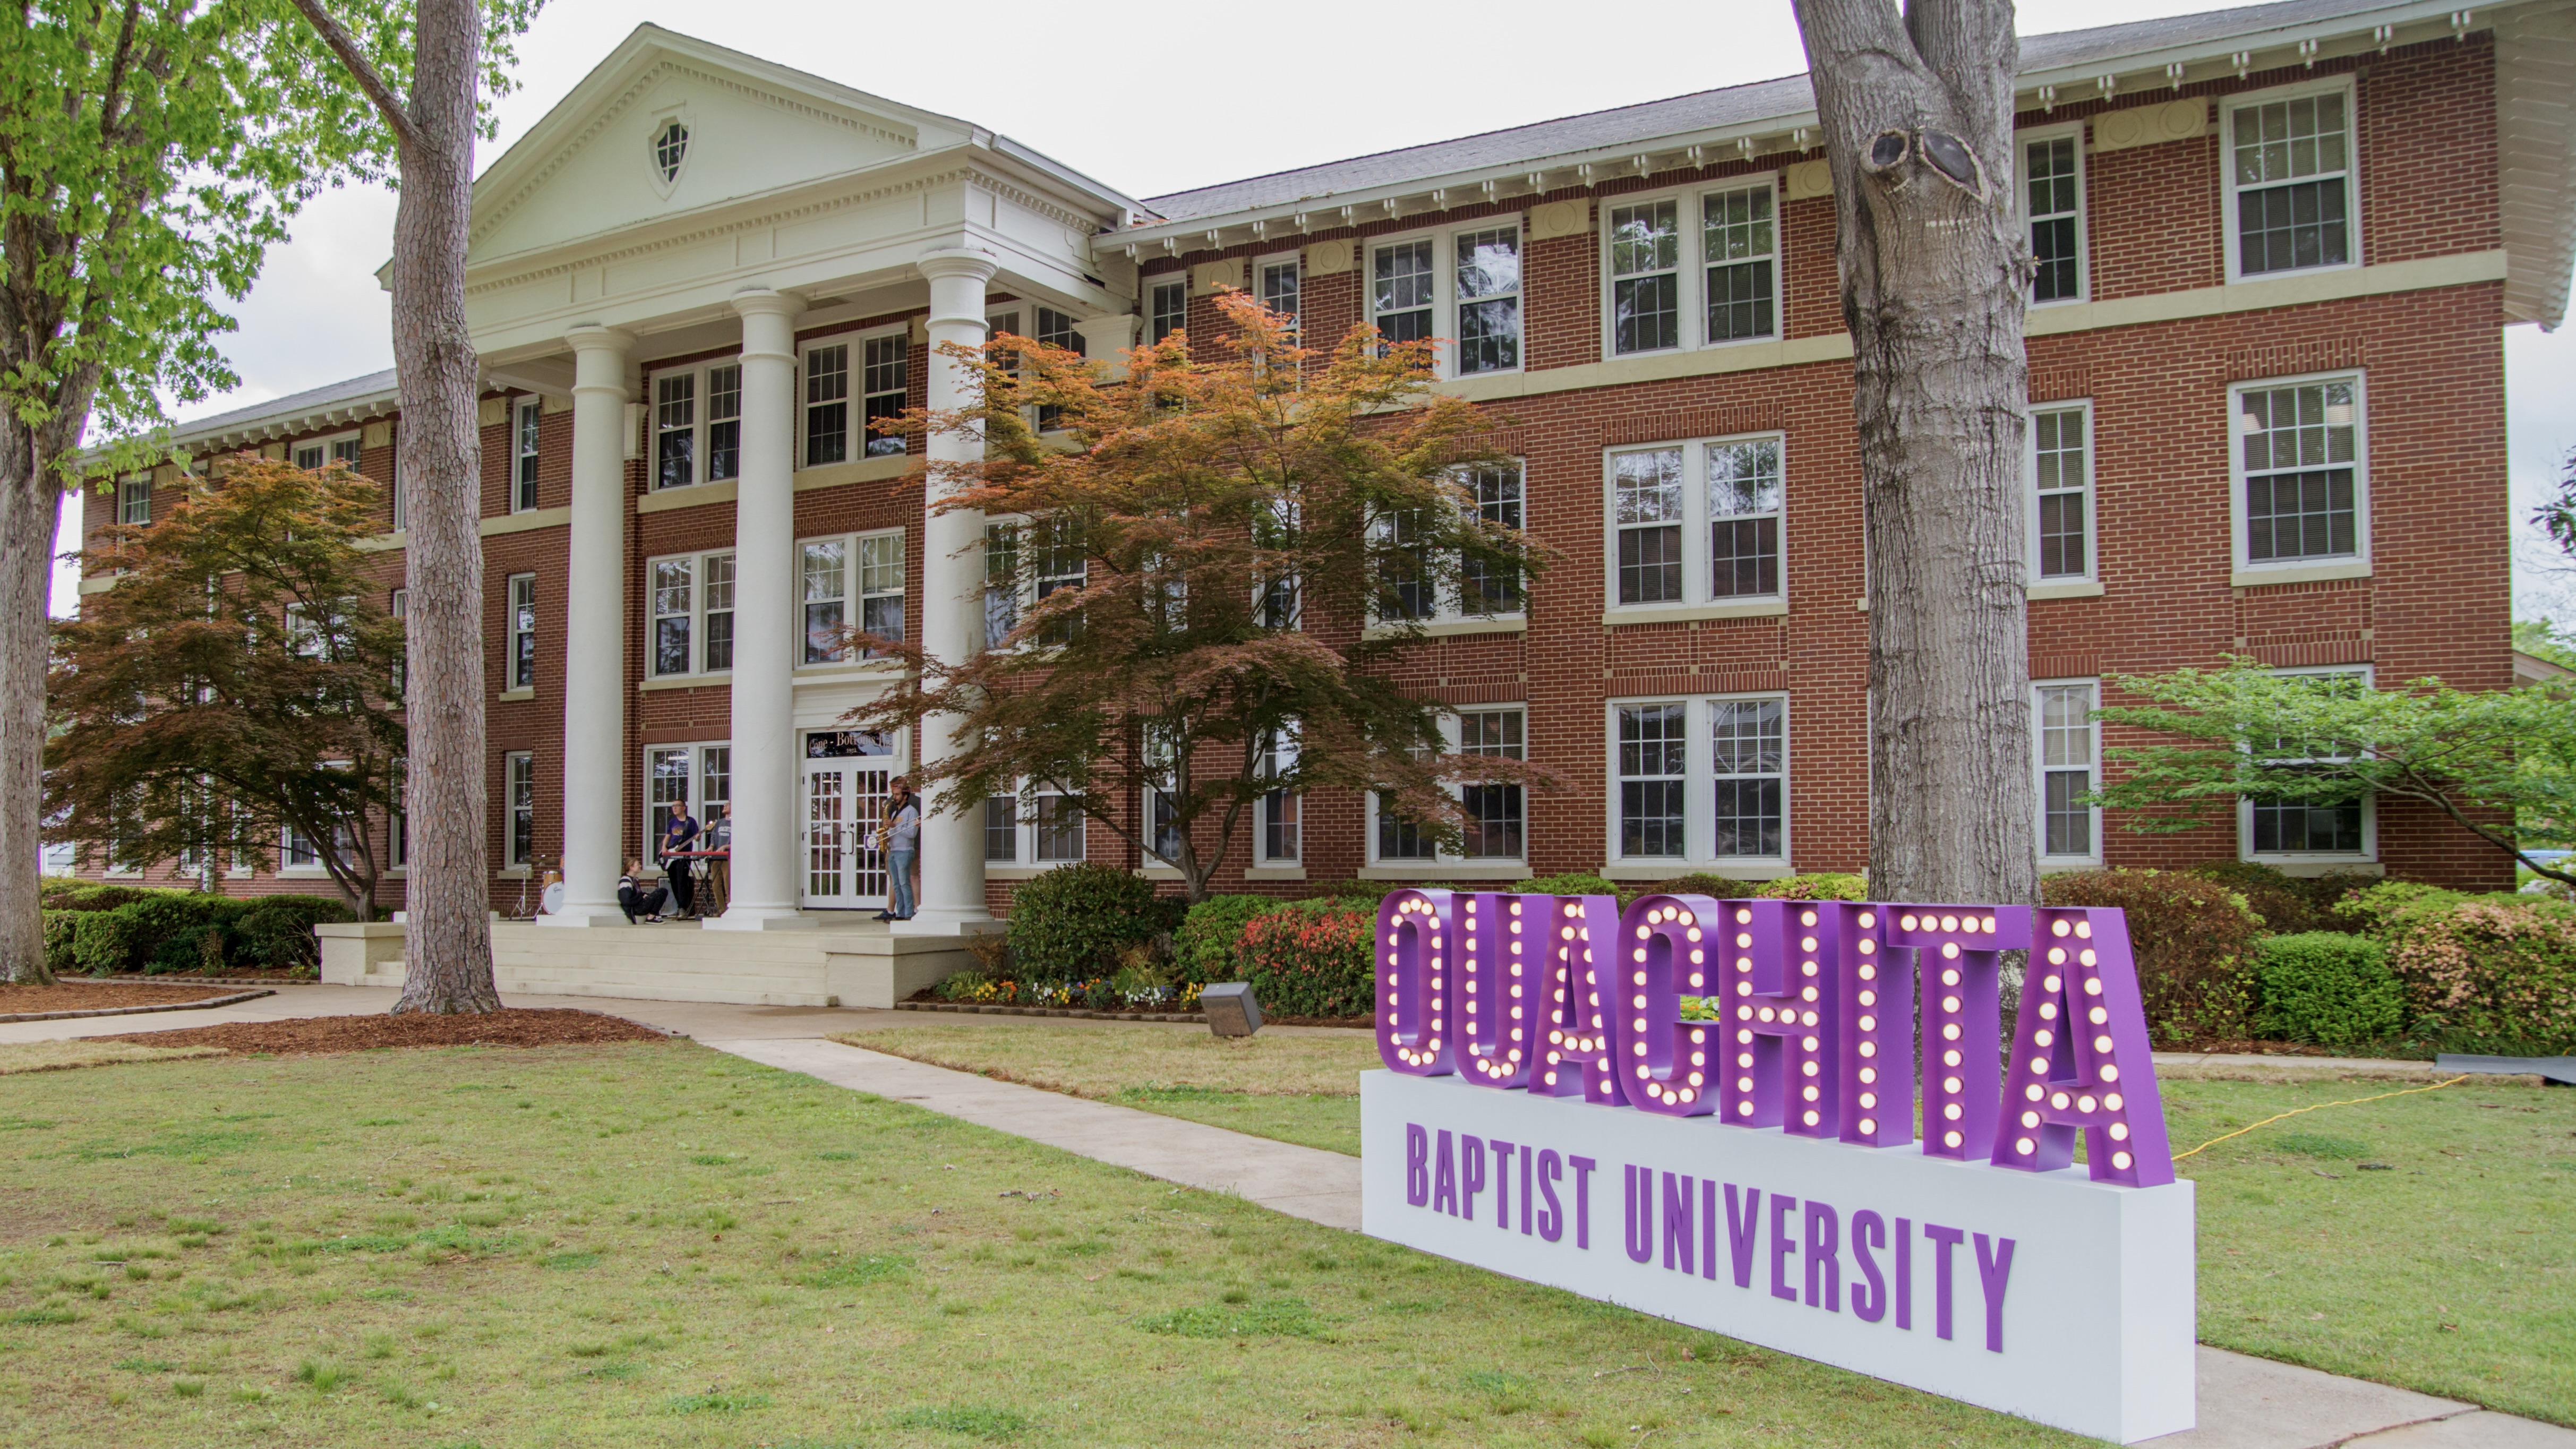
column 732, row 268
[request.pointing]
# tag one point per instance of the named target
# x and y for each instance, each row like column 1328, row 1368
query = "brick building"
column 2275, row 247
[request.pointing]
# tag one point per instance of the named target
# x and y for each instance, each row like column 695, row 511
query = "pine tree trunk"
column 1917, row 115
column 29, row 508
column 447, row 945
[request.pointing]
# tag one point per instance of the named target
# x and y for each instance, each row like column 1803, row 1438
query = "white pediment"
column 593, row 165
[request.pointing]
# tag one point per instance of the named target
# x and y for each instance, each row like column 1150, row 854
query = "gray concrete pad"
column 2480, row 1430
column 2254, row 1403
column 1303, row 1182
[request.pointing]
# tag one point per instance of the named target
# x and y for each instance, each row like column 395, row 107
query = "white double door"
column 845, row 802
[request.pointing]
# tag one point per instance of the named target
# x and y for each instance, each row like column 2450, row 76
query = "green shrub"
column 1304, row 962
column 1072, row 922
column 107, row 942
column 2488, row 973
column 59, row 926
column 171, row 928
column 2328, row 988
column 82, row 895
column 2194, row 943
column 2289, row 904
column 1203, row 948
column 277, row 931
column 2380, row 910
column 1820, row 886
column 1575, row 884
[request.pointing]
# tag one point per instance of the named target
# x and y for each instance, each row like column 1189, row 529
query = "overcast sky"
column 1157, row 96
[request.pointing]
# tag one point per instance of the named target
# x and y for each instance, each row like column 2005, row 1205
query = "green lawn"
column 2445, row 1266
column 660, row 1245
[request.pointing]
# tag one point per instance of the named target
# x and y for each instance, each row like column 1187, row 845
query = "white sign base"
column 2093, row 1331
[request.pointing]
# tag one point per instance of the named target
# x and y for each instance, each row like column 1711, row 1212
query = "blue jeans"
column 899, row 865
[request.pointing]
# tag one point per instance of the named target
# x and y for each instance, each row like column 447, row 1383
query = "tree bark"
column 29, row 508
column 1917, row 115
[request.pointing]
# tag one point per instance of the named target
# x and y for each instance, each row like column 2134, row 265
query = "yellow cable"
column 2295, row 1111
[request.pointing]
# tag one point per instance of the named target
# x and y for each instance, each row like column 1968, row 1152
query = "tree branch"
column 396, row 112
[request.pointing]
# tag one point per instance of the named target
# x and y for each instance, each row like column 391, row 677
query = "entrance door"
column 847, row 774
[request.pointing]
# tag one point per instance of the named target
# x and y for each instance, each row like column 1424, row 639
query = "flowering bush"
column 2194, row 943
column 1098, row 994
column 1307, row 962
column 2489, row 974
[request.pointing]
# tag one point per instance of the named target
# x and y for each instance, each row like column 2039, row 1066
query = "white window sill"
column 687, row 495
column 862, row 470
column 996, row 870
column 1157, row 872
column 2282, row 274
column 384, row 542
column 511, row 872
column 2311, row 865
column 2261, row 574
column 2065, row 865
column 1726, row 345
column 1681, row 613
column 2067, row 589
column 302, row 872
column 1275, row 872
column 1452, row 628
column 528, row 522
column 508, row 695
column 1498, row 870
column 832, row 673
column 1669, row 869
column 683, row 681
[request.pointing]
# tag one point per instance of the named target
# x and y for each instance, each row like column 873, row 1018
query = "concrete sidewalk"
column 2245, row 1402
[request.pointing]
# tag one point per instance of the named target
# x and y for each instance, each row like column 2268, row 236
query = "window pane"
column 827, row 407
column 1402, row 290
column 1488, row 587
column 1737, row 234
column 2299, row 443
column 1171, row 305
column 888, row 365
column 1645, row 295
column 2049, row 175
column 1653, row 810
column 675, row 418
column 724, row 423
column 825, row 593
column 1645, row 314
column 672, row 602
column 1489, row 305
column 1399, row 838
column 1747, row 762
column 1001, row 827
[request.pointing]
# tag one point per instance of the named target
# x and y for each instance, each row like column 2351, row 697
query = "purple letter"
column 2080, row 1058
column 1741, row 1230
column 1824, row 1232
column 1583, row 1167
column 1414, row 968
column 1959, row 953
column 1994, row 1270
column 1471, row 1164
column 1708, row 1228
column 1948, row 1238
column 1502, row 1182
column 1664, row 942
column 1525, row 1192
column 1782, row 1245
column 1905, row 1273
column 1677, row 1221
column 1551, row 1171
column 1444, row 1179
column 1417, row 1165
column 1869, row 1297
column 1637, row 1216
column 1778, row 1053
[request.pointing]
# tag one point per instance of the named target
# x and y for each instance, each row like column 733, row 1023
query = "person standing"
column 679, row 835
column 716, row 843
column 903, row 848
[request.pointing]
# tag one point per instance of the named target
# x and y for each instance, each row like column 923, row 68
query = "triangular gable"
column 591, row 165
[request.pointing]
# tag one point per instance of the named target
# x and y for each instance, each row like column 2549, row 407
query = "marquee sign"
column 1546, row 1057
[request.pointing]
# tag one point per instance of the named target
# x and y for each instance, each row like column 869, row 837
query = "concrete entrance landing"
column 851, row 962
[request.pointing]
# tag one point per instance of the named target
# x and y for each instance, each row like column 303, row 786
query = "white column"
column 594, row 634
column 765, row 632
column 952, row 597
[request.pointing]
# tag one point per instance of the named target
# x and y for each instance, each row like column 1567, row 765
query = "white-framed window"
column 529, row 414
column 697, row 425
column 855, row 581
column 2061, row 477
column 1167, row 307
column 134, row 501
column 2069, row 762
column 1697, row 522
column 884, row 372
column 1055, row 329
column 698, row 777
column 297, row 851
column 1161, row 813
column 399, row 605
column 519, row 796
column 692, row 625
column 1036, row 826
column 1693, row 268
column 2293, row 184
column 1493, row 495
column 1700, row 780
column 1496, row 824
column 2301, row 462
column 1277, row 281
column 523, row 631
column 827, row 403
column 1279, row 820
column 2292, row 829
column 317, row 453
column 397, row 499
column 2052, row 210
column 1461, row 282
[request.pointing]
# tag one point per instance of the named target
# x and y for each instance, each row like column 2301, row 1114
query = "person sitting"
column 678, row 836
column 635, row 898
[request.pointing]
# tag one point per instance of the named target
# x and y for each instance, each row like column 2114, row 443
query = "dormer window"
column 670, row 148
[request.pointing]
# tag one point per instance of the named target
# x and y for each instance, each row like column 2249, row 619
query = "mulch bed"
column 78, row 995
column 926, row 1000
column 256, row 975
column 318, row 1035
